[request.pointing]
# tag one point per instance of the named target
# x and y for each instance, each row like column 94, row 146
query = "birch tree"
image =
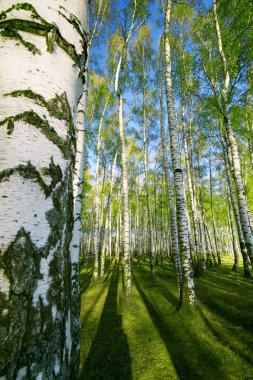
column 223, row 59
column 186, row 83
column 142, row 67
column 120, row 56
column 107, row 240
column 231, row 141
column 42, row 102
column 103, row 94
column 168, row 182
column 182, row 222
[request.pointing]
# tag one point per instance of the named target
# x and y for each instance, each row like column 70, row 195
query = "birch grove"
column 181, row 189
column 126, row 153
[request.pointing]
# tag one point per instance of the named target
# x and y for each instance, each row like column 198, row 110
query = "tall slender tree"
column 168, row 182
column 120, row 53
column 182, row 222
column 142, row 67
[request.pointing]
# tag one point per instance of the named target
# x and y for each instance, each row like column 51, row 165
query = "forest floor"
column 146, row 338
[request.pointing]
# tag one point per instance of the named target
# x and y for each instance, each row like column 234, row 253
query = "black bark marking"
column 57, row 107
column 41, row 27
column 32, row 118
column 29, row 171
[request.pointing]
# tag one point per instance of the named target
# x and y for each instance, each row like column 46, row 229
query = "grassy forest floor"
column 146, row 338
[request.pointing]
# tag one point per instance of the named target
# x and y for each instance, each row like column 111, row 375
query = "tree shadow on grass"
column 194, row 359
column 109, row 357
column 230, row 306
column 227, row 342
column 85, row 279
column 161, row 278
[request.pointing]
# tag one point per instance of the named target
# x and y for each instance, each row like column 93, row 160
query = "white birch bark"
column 107, row 231
column 182, row 223
column 237, row 217
column 195, row 213
column 155, row 215
column 212, row 249
column 126, row 222
column 203, row 222
column 96, row 229
column 42, row 63
column 118, row 228
column 169, row 189
column 146, row 179
column 216, row 239
column 233, row 233
column 232, row 144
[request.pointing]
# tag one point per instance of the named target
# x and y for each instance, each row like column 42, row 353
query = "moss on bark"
column 33, row 329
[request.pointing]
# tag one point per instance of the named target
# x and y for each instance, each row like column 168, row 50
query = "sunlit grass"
column 145, row 337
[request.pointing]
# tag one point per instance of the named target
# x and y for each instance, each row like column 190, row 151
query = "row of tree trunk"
column 194, row 245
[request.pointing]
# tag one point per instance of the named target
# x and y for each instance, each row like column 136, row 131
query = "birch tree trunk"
column 107, row 231
column 118, row 229
column 203, row 222
column 150, row 222
column 201, row 265
column 126, row 223
column 42, row 102
column 233, row 233
column 96, row 229
column 182, row 223
column 232, row 144
column 237, row 218
column 216, row 239
column 169, row 189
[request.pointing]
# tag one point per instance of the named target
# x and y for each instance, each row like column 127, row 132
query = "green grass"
column 145, row 337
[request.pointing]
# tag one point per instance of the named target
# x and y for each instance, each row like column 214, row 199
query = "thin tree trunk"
column 118, row 229
column 150, row 222
column 126, row 223
column 101, row 211
column 182, row 223
column 203, row 223
column 96, row 229
column 237, row 218
column 110, row 209
column 232, row 144
column 216, row 239
column 169, row 189
column 233, row 233
column 201, row 265
column 211, row 245
column 155, row 215
column 108, row 212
